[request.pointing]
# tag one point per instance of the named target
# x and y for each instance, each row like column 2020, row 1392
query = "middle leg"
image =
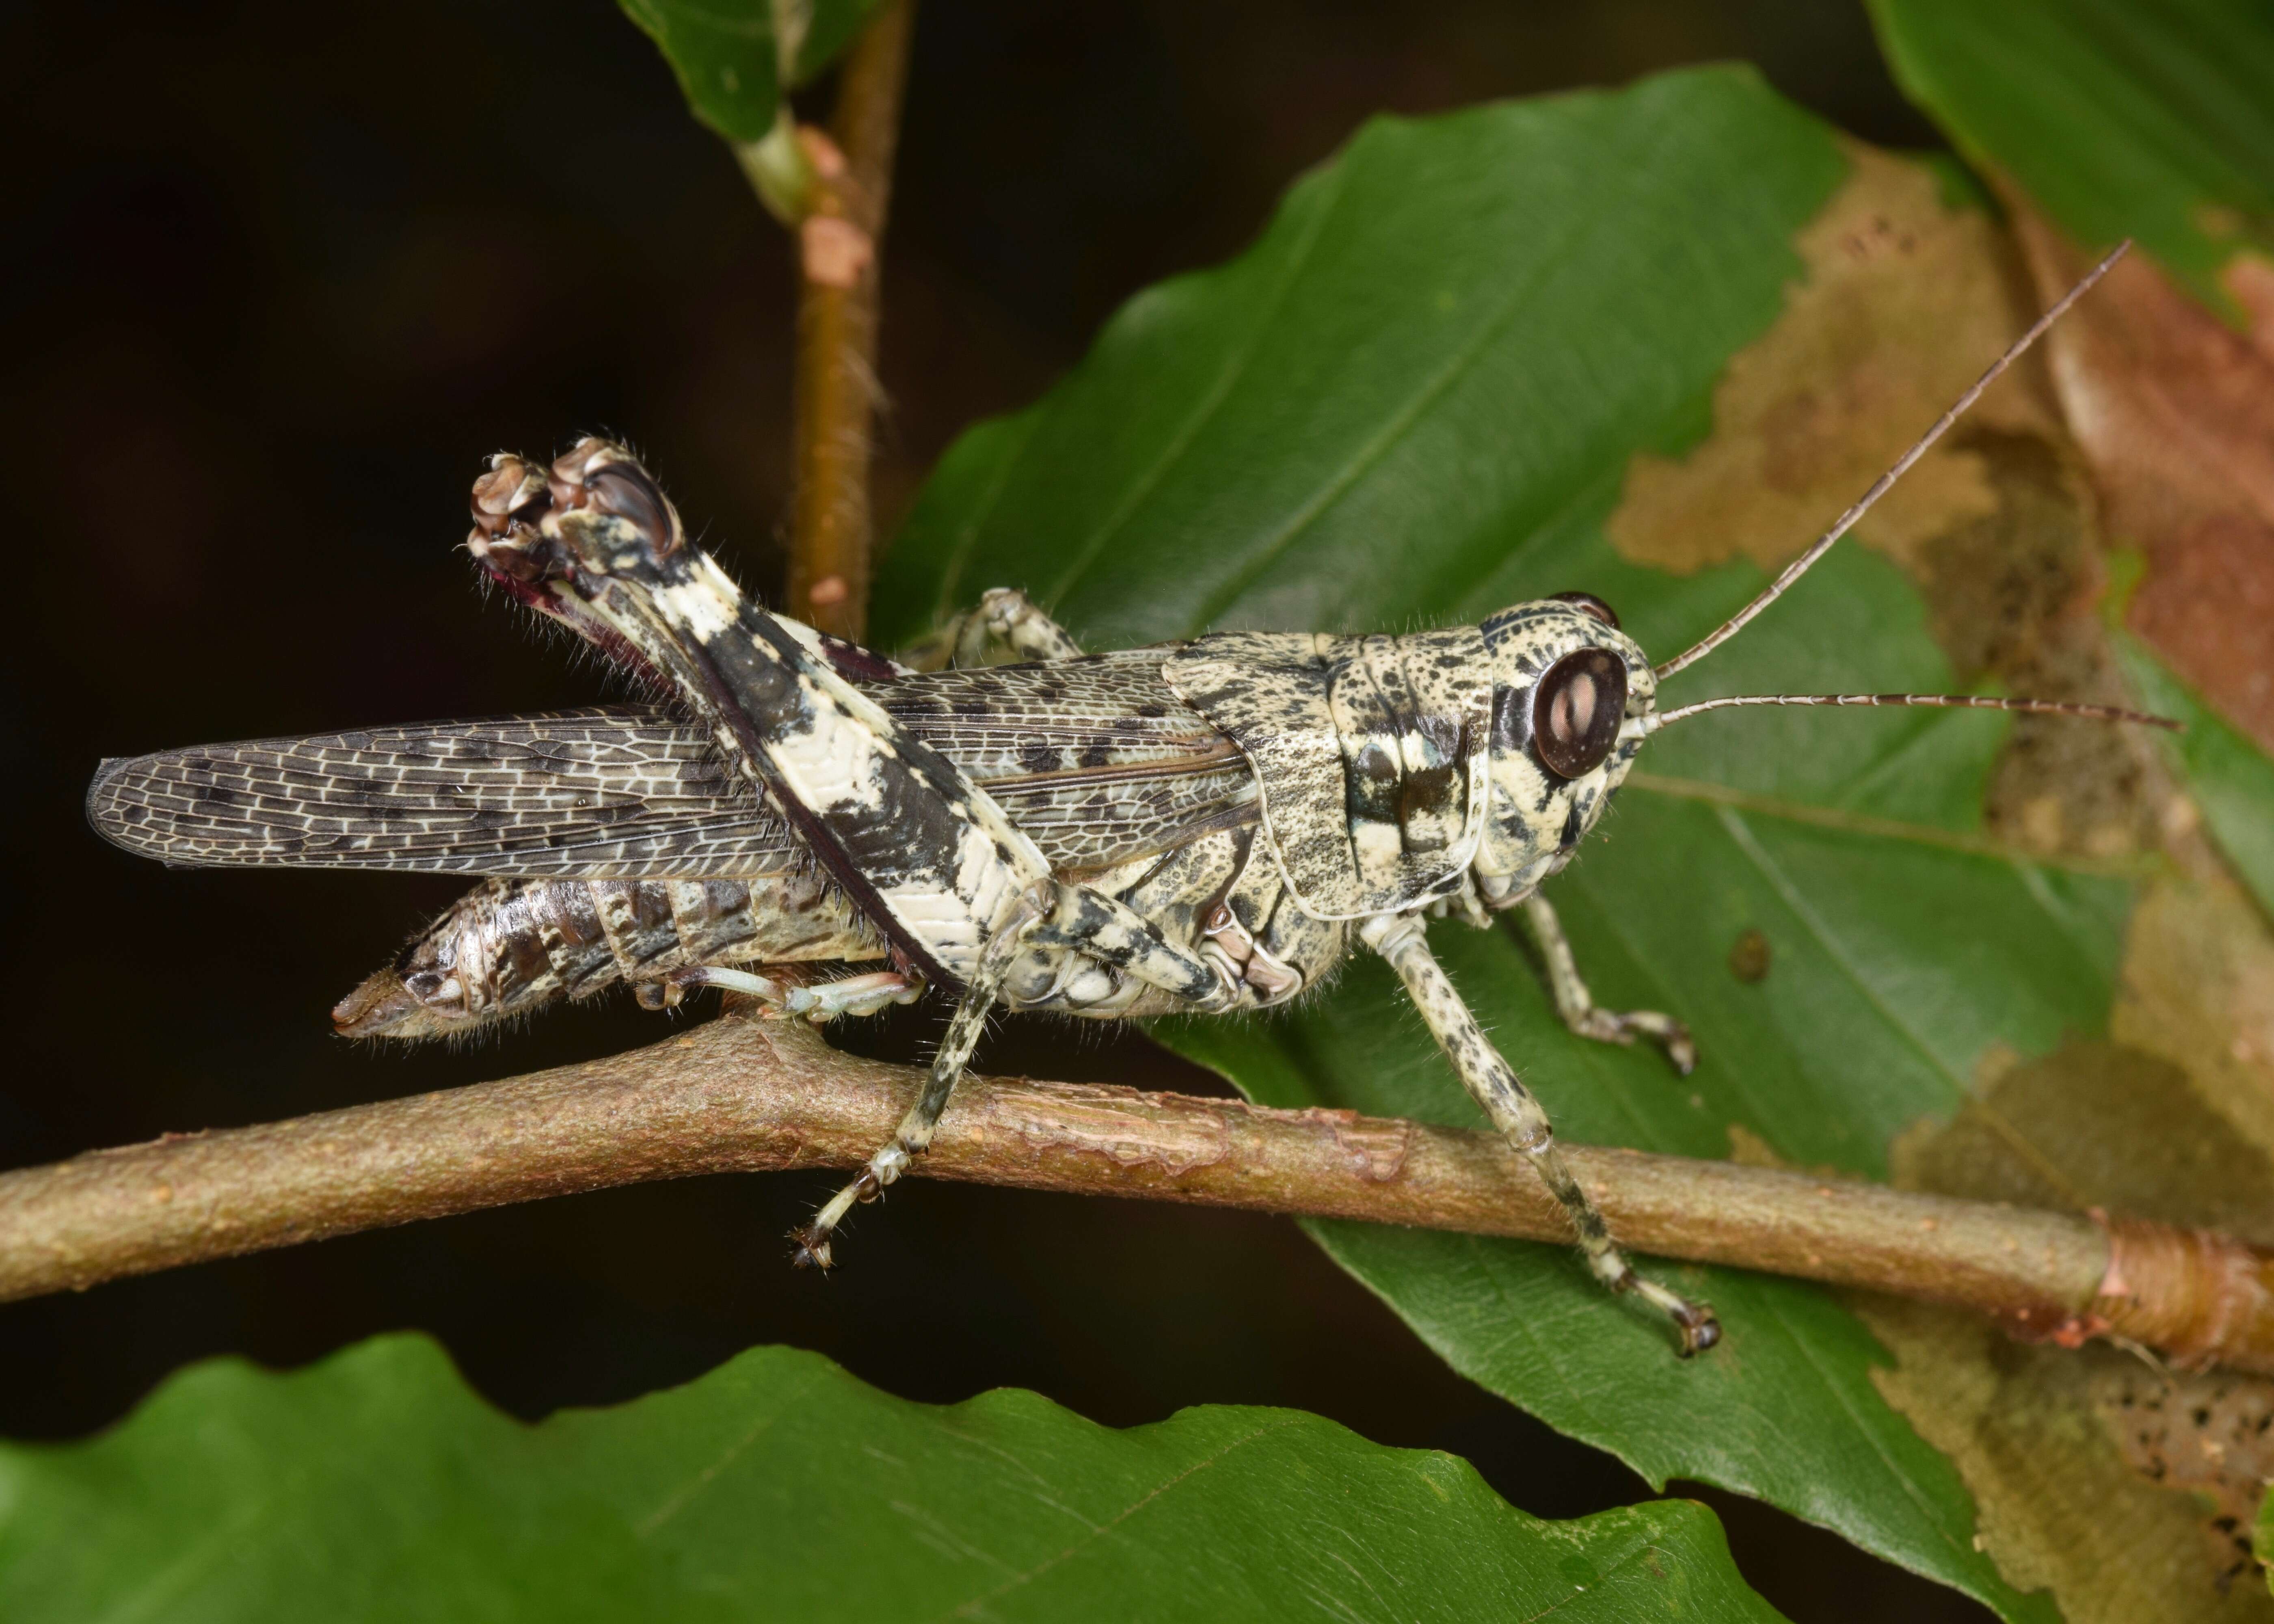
column 1577, row 1006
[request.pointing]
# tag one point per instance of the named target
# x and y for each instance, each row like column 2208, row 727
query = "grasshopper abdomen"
column 509, row 947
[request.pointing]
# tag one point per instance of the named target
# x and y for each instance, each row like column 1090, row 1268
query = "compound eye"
column 1587, row 603
column 1577, row 710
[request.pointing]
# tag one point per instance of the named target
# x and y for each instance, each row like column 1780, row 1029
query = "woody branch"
column 740, row 1095
column 840, row 242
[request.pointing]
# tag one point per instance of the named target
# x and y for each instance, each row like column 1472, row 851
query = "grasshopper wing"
column 1100, row 762
column 1094, row 757
column 604, row 793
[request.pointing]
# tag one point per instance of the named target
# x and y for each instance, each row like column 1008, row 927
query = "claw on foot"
column 1694, row 1322
column 811, row 1244
column 1699, row 1329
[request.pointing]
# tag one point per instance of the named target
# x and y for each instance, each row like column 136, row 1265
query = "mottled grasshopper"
column 1202, row 826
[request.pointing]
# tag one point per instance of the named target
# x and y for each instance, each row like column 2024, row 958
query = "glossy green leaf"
column 726, row 54
column 2145, row 118
column 377, row 1486
column 2230, row 777
column 1415, row 400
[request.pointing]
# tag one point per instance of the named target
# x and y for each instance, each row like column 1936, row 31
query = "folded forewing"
column 604, row 793
column 1099, row 764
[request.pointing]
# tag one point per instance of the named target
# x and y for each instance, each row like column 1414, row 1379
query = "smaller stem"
column 840, row 243
column 778, row 171
column 738, row 1095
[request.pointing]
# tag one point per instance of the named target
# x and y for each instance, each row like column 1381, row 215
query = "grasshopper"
column 1207, row 826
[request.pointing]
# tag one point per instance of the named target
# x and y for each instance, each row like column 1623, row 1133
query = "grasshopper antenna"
column 1947, row 702
column 1800, row 565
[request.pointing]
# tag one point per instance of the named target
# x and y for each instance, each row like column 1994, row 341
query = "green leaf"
column 728, row 55
column 1415, row 400
column 2145, row 118
column 2231, row 778
column 2264, row 1540
column 377, row 1486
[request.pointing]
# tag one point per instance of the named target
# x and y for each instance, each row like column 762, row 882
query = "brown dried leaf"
column 2145, row 1512
column 2174, row 411
column 2087, row 1467
column 1905, row 300
column 2198, row 991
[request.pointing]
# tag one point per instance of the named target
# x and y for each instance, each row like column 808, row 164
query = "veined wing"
column 609, row 793
column 1095, row 759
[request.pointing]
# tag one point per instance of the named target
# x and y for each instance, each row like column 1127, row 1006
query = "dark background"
column 276, row 278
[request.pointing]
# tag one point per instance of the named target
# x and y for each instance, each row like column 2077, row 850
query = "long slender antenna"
column 1948, row 701
column 1800, row 565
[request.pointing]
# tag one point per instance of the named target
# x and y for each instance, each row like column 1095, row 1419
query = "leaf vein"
column 1210, row 402
column 969, row 1609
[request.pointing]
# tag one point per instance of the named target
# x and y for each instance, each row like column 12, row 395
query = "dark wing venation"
column 1095, row 758
column 1080, row 829
column 623, row 794
column 1011, row 721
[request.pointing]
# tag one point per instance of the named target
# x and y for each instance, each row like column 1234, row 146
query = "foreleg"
column 1577, row 1007
column 1520, row 1118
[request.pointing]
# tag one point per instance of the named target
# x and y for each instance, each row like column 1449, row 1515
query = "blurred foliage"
column 2146, row 119
column 375, row 1485
column 735, row 58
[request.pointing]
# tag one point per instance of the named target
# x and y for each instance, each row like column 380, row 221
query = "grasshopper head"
column 1569, row 690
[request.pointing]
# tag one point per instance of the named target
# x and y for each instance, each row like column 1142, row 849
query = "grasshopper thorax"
column 1566, row 684
column 1397, row 772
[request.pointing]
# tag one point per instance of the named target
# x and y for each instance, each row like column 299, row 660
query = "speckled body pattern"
column 1245, row 795
column 1206, row 826
column 626, row 793
column 1370, row 751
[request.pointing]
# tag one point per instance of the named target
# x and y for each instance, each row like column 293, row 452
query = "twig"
column 738, row 1095
column 839, row 241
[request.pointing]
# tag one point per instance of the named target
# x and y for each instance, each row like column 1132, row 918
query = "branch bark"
column 740, row 1095
column 840, row 242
